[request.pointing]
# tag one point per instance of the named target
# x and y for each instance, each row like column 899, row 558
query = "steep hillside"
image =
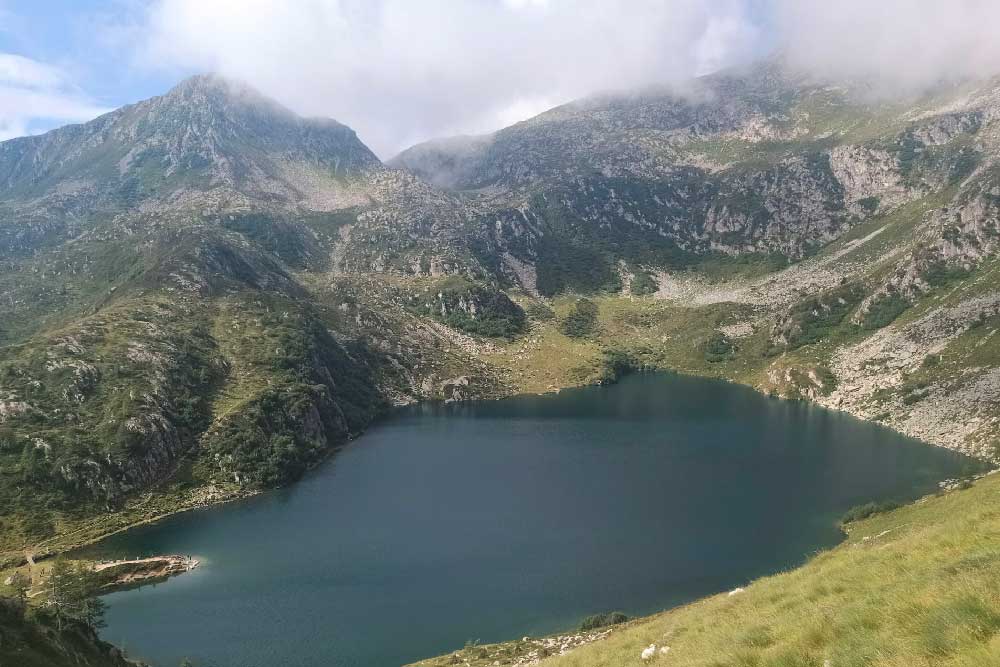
column 31, row 638
column 185, row 307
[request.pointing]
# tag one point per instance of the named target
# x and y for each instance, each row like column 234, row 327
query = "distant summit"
column 208, row 134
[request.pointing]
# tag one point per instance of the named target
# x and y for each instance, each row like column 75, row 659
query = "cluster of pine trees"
column 72, row 594
column 70, row 590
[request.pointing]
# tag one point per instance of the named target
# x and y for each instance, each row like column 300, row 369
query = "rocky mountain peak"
column 208, row 101
column 208, row 134
column 211, row 86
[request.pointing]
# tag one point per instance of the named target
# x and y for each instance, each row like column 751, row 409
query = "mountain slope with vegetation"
column 846, row 245
column 202, row 295
column 180, row 313
column 34, row 641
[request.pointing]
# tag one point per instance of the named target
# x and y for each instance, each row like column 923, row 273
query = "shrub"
column 537, row 310
column 581, row 320
column 602, row 620
column 869, row 204
column 574, row 265
column 827, row 377
column 718, row 348
column 940, row 273
column 643, row 284
column 884, row 311
column 318, row 394
column 815, row 318
column 473, row 308
column 859, row 512
column 617, row 363
column 491, row 327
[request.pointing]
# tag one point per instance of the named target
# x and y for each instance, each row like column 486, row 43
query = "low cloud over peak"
column 400, row 71
column 900, row 45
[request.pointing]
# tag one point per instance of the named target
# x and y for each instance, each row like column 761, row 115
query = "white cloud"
column 400, row 71
column 723, row 37
column 20, row 71
column 893, row 44
column 32, row 92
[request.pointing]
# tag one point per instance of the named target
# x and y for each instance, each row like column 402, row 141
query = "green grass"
column 896, row 229
column 641, row 333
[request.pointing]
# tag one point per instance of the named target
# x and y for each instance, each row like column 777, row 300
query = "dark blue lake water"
column 494, row 520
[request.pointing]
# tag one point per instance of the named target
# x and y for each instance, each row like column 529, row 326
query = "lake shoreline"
column 126, row 573
column 653, row 424
column 199, row 500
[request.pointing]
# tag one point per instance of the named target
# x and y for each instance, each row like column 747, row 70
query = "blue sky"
column 401, row 71
column 76, row 38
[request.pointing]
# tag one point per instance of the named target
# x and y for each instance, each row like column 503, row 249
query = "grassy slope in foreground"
column 915, row 587
column 36, row 641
